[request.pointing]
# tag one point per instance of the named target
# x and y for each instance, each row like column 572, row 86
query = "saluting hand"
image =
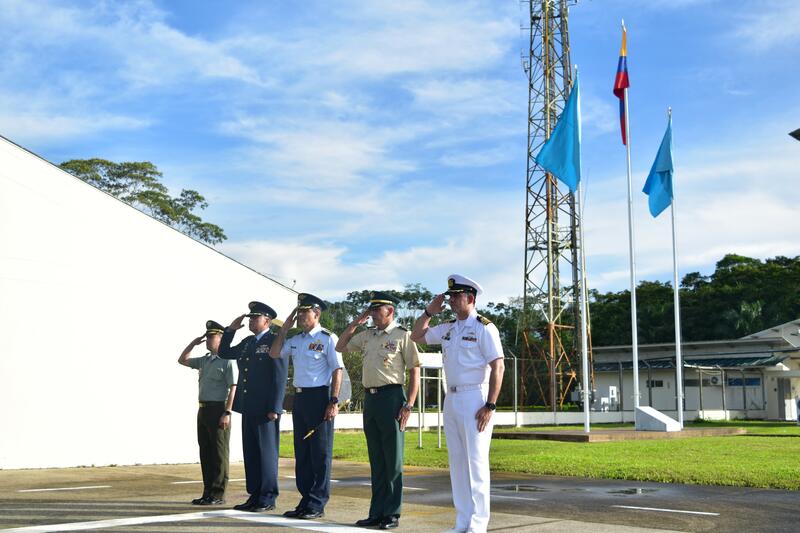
column 363, row 317
column 291, row 318
column 237, row 322
column 437, row 305
column 199, row 340
column 483, row 416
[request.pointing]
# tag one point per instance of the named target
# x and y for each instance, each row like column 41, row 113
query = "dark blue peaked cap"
column 258, row 308
column 309, row 301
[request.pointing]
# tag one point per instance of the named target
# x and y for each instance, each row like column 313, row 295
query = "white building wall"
column 663, row 398
column 97, row 300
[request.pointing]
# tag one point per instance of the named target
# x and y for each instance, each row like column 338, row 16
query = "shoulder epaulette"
column 485, row 321
column 402, row 328
column 451, row 321
column 326, row 332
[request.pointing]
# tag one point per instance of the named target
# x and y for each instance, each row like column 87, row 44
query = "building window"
column 655, row 383
column 707, row 382
column 748, row 382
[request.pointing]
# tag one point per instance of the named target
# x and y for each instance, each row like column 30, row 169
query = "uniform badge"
column 316, row 347
column 390, row 345
column 470, row 338
column 262, row 349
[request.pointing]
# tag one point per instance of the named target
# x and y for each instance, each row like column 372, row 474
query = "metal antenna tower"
column 552, row 222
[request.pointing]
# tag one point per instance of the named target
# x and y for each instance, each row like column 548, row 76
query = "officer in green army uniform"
column 388, row 353
column 217, row 390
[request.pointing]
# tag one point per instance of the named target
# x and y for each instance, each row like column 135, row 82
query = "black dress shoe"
column 258, row 508
column 294, row 513
column 209, row 500
column 308, row 514
column 369, row 522
column 198, row 501
column 243, row 506
column 390, row 522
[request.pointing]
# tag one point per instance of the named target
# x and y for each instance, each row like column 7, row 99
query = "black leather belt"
column 211, row 404
column 309, row 389
column 376, row 390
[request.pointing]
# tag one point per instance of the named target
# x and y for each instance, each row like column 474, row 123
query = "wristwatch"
column 491, row 406
column 334, row 400
column 408, row 407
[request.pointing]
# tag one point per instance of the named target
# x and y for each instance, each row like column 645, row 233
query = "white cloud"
column 319, row 155
column 472, row 239
column 478, row 158
column 598, row 115
column 468, row 97
column 417, row 37
column 733, row 200
column 29, row 128
column 775, row 23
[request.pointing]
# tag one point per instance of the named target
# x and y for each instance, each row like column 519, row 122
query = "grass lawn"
column 766, row 457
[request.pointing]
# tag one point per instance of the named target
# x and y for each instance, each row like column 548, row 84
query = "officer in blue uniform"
column 317, row 377
column 259, row 398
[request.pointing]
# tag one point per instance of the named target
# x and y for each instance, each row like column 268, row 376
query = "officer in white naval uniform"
column 473, row 367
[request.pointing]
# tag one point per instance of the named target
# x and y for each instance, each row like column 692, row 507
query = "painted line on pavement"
column 115, row 522
column 368, row 484
column 188, row 482
column 664, row 510
column 308, row 525
column 67, row 488
column 495, row 495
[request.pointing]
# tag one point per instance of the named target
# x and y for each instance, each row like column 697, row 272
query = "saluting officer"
column 262, row 385
column 473, row 367
column 317, row 377
column 388, row 352
column 217, row 389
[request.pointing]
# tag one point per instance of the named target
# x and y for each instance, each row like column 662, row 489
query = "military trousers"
column 260, row 443
column 468, row 456
column 214, row 446
column 385, row 447
column 312, row 456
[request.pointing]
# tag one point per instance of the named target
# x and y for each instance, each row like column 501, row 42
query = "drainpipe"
column 700, row 382
column 744, row 395
column 724, row 409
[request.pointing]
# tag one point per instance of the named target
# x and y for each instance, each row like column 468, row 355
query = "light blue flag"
column 561, row 154
column 658, row 186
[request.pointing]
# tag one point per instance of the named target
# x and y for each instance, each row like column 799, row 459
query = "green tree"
column 743, row 295
column 139, row 185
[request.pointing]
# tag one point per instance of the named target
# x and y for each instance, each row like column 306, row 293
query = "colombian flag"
column 621, row 82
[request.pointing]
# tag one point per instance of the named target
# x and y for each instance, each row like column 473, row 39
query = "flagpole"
column 677, row 305
column 632, row 256
column 584, row 325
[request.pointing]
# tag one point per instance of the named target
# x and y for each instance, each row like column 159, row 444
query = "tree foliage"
column 138, row 183
column 743, row 295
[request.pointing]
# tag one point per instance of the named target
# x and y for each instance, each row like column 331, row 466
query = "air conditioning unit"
column 715, row 380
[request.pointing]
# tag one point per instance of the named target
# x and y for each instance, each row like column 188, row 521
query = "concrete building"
column 97, row 300
column 757, row 376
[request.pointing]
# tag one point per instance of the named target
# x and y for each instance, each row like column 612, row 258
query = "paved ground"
column 154, row 498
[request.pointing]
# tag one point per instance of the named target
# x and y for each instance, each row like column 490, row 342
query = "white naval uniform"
column 468, row 346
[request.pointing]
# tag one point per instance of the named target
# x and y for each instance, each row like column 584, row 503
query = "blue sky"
column 364, row 144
